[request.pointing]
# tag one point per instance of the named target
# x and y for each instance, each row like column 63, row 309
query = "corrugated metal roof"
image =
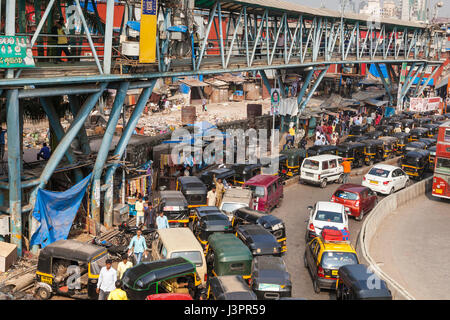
column 229, row 78
column 194, row 83
column 216, row 82
column 294, row 9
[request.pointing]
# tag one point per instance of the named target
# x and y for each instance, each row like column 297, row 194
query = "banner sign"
column 14, row 52
column 425, row 104
column 275, row 101
column 147, row 42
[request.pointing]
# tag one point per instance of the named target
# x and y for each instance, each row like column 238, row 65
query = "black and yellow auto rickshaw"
column 174, row 206
column 428, row 141
column 220, row 173
column 407, row 123
column 357, row 138
column 353, row 152
column 432, row 158
column 208, row 220
column 193, row 189
column 389, row 146
column 271, row 223
column 373, row 151
column 358, row 282
column 433, row 128
column 415, row 145
column 229, row 288
column 174, row 275
column 64, row 258
column 386, row 129
column 358, row 130
column 423, row 120
column 276, row 168
column 402, row 141
column 293, row 162
column 415, row 163
column 374, row 134
column 417, row 133
column 227, row 255
column 437, row 117
column 244, row 172
column 318, row 150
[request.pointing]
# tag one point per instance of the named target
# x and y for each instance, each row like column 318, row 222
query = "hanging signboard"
column 275, row 101
column 425, row 104
column 14, row 52
column 147, row 42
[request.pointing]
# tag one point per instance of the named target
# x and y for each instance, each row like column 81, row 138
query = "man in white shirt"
column 139, row 212
column 211, row 196
column 407, row 129
column 123, row 266
column 106, row 280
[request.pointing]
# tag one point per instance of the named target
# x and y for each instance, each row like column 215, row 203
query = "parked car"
column 267, row 191
column 385, row 179
column 357, row 199
column 322, row 169
column 325, row 213
column 235, row 198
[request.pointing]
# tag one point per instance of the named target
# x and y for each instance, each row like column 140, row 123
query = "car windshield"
column 311, row 164
column 192, row 256
column 257, row 191
column 346, row 195
column 98, row 264
column 329, row 216
column 379, row 172
column 230, row 207
column 335, row 260
column 443, row 165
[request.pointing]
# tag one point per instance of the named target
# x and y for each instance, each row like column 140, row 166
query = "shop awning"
column 194, row 83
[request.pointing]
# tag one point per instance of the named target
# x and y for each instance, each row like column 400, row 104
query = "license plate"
column 309, row 174
column 439, row 191
column 268, row 287
column 373, row 182
column 334, row 272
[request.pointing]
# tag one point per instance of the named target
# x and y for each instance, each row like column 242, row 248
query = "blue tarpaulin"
column 56, row 211
column 373, row 70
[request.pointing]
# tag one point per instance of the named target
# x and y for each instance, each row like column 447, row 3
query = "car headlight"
column 257, row 250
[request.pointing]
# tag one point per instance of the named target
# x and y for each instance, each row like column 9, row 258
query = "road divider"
column 372, row 222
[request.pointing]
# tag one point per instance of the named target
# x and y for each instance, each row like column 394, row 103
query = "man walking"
column 139, row 211
column 139, row 246
column 161, row 221
column 347, row 168
column 118, row 293
column 149, row 216
column 123, row 266
column 106, row 280
column 62, row 41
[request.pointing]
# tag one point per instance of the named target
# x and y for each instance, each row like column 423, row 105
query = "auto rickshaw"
column 293, row 162
column 193, row 189
column 244, row 172
column 373, row 151
column 271, row 223
column 174, row 275
column 206, row 221
column 229, row 288
column 402, row 141
column 227, row 255
column 447, row 115
column 221, row 173
column 432, row 150
column 276, row 168
column 174, row 206
column 433, row 128
column 53, row 269
column 417, row 133
column 415, row 145
column 428, row 141
column 259, row 240
column 386, row 129
column 421, row 121
column 353, row 284
column 374, row 134
column 358, row 130
column 415, row 163
column 357, row 138
column 318, row 150
column 437, row 117
column 409, row 114
column 407, row 123
column 270, row 279
column 389, row 146
column 353, row 152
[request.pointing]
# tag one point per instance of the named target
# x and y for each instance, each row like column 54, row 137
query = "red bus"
column 441, row 178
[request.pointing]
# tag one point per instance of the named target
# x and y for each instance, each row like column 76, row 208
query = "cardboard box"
column 8, row 255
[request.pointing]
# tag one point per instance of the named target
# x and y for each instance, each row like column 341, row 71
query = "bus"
column 441, row 178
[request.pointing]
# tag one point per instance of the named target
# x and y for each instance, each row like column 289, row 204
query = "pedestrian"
column 139, row 206
column 106, row 280
column 220, row 189
column 139, row 246
column 118, row 293
column 2, row 142
column 44, row 153
column 397, row 129
column 318, row 142
column 347, row 165
column 62, row 41
column 149, row 216
column 407, row 130
column 187, row 171
column 123, row 266
column 161, row 221
column 204, row 105
column 334, row 139
column 211, row 197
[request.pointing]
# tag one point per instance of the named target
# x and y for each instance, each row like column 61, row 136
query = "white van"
column 321, row 170
column 180, row 242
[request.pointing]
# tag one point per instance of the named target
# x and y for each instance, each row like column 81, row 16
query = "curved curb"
column 370, row 227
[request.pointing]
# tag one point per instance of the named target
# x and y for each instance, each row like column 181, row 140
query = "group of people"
column 146, row 215
column 214, row 196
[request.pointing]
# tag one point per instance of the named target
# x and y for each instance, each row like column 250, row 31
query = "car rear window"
column 335, row 260
column 346, row 195
column 311, row 164
column 193, row 256
column 257, row 191
column 230, row 207
column 329, row 216
column 379, row 172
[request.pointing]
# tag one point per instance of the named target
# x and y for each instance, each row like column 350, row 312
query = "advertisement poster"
column 147, row 42
column 425, row 104
column 275, row 101
column 14, row 52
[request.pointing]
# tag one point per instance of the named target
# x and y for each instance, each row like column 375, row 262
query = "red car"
column 267, row 191
column 357, row 199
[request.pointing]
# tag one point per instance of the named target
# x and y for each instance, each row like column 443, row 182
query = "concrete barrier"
column 371, row 224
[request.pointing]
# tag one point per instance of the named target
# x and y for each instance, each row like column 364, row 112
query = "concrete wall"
column 370, row 227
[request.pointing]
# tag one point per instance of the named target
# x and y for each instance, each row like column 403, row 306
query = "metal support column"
column 313, row 89
column 108, row 36
column 383, row 80
column 74, row 105
column 120, row 148
column 436, row 68
column 104, row 149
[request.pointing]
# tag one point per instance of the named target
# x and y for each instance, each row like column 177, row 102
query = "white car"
column 385, row 179
column 325, row 213
column 322, row 169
